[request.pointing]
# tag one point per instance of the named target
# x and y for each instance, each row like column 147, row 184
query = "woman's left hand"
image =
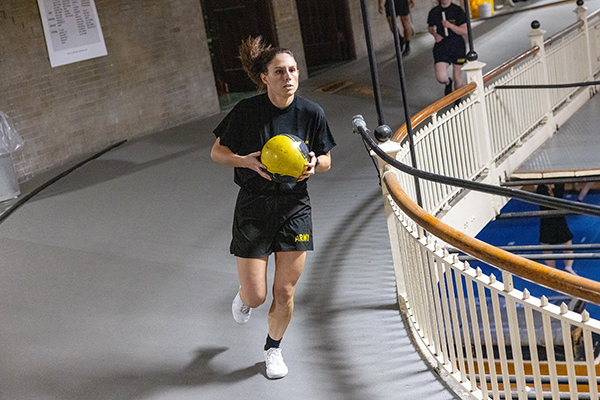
column 310, row 167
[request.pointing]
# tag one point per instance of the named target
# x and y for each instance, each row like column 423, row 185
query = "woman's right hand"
column 252, row 161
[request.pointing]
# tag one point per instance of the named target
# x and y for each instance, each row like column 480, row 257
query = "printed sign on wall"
column 72, row 30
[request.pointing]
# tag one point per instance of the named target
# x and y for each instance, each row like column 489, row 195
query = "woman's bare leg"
column 288, row 268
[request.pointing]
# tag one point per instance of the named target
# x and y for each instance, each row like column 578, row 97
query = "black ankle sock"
column 271, row 343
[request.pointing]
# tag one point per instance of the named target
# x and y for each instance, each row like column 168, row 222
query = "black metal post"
column 372, row 63
column 413, row 157
column 471, row 55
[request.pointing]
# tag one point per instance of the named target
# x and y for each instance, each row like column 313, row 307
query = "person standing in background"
column 402, row 8
column 554, row 229
column 584, row 191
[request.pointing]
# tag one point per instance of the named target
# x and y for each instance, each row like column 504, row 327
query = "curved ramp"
column 116, row 281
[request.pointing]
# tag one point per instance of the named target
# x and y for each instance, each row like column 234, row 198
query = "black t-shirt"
column 253, row 121
column 454, row 14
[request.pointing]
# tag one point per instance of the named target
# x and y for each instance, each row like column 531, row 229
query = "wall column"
column 289, row 34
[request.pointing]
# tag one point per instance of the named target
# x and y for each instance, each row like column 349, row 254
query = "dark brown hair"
column 256, row 57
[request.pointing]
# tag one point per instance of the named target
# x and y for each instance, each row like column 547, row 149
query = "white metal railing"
column 466, row 140
column 495, row 339
column 446, row 146
column 567, row 61
column 484, row 332
column 514, row 113
column 594, row 37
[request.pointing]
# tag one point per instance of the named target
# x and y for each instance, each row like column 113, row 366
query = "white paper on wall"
column 72, row 31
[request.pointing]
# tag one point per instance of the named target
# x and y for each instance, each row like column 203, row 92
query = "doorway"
column 228, row 23
column 326, row 33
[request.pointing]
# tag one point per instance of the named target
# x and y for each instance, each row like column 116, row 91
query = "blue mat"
column 525, row 231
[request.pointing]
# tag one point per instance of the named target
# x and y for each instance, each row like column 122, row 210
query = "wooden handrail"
column 434, row 108
column 499, row 70
column 552, row 278
column 563, row 33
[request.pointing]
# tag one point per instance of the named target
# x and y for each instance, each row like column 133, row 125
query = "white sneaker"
column 276, row 368
column 240, row 311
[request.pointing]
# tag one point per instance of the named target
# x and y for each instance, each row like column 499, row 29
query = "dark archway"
column 227, row 23
column 326, row 32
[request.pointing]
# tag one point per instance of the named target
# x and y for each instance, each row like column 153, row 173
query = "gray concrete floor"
column 116, row 282
column 572, row 148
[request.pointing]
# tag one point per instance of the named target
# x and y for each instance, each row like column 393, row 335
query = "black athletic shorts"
column 264, row 224
column 554, row 230
column 401, row 7
column 451, row 50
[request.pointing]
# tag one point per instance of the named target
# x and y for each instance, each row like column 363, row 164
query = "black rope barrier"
column 568, row 179
column 372, row 63
column 550, row 85
column 547, row 256
column 526, row 214
column 359, row 125
column 541, row 247
column 384, row 132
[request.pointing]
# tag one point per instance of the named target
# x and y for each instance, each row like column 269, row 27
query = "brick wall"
column 157, row 74
column 380, row 33
column 287, row 26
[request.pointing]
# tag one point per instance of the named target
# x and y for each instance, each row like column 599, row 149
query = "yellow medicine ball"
column 284, row 156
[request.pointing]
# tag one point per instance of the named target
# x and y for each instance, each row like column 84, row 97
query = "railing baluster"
column 500, row 343
column 453, row 167
column 438, row 316
column 568, row 349
column 550, row 354
column 590, row 362
column 419, row 278
column 515, row 346
column 446, row 311
column 465, row 324
column 533, row 350
column 489, row 346
column 475, row 324
column 429, row 317
column 458, row 337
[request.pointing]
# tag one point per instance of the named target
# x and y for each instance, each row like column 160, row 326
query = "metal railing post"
column 537, row 39
column 581, row 13
column 481, row 128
